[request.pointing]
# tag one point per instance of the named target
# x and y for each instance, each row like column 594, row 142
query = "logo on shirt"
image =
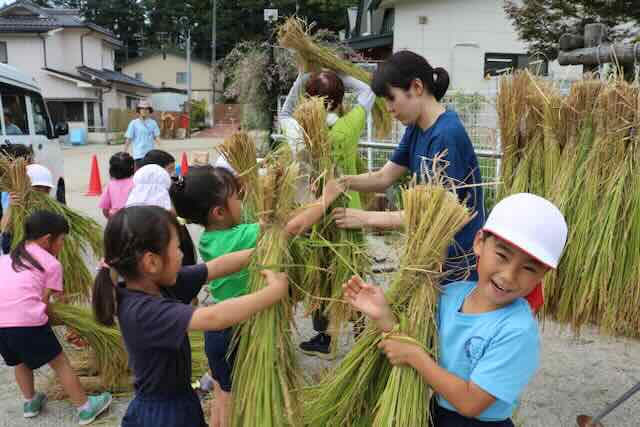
column 474, row 349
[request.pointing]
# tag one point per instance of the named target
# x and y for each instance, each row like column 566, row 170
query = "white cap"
column 531, row 223
column 39, row 175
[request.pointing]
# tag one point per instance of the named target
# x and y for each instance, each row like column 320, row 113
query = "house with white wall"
column 167, row 71
column 71, row 60
column 472, row 39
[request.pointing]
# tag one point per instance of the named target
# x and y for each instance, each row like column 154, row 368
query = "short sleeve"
column 105, row 199
column 156, row 129
column 508, row 364
column 402, row 154
column 53, row 277
column 189, row 282
column 130, row 134
column 163, row 323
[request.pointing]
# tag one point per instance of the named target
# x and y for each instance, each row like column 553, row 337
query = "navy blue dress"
column 154, row 329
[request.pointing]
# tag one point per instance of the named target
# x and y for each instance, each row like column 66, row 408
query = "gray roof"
column 34, row 19
column 114, row 77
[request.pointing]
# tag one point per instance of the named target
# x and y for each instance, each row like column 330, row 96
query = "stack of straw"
column 84, row 238
column 294, row 34
column 266, row 375
column 341, row 253
column 364, row 389
column 589, row 168
column 111, row 360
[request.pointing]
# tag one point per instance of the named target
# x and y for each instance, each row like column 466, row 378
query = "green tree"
column 540, row 23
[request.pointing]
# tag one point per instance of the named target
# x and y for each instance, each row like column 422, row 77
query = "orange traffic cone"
column 184, row 164
column 95, row 185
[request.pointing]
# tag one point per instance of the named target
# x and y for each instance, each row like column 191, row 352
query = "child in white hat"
column 488, row 337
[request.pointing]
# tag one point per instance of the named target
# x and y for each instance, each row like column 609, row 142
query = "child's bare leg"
column 224, row 408
column 68, row 379
column 24, row 378
column 214, row 416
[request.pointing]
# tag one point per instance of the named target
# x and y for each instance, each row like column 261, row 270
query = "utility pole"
column 213, row 63
column 189, row 94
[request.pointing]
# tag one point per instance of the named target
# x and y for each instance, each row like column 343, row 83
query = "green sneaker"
column 98, row 405
column 33, row 407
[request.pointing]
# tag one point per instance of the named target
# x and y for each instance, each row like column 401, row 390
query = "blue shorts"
column 166, row 410
column 216, row 346
column 34, row 346
column 442, row 417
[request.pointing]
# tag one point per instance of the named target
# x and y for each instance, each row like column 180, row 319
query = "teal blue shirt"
column 498, row 351
column 143, row 134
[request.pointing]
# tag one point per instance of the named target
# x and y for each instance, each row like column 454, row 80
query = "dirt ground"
column 577, row 374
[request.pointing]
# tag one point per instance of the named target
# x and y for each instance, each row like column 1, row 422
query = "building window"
column 181, row 78
column 91, row 115
column 3, row 53
column 138, row 76
column 387, row 21
column 496, row 64
column 132, row 102
column 62, row 111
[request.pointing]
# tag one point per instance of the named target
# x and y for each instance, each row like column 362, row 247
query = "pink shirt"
column 21, row 303
column 115, row 195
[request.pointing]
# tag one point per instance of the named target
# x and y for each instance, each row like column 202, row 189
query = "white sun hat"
column 40, row 176
column 532, row 224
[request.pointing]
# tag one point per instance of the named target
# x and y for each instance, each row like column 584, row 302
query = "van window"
column 40, row 122
column 15, row 115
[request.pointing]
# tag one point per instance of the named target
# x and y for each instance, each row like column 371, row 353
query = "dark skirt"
column 442, row 417
column 166, row 410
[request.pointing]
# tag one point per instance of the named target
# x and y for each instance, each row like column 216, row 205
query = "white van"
column 25, row 120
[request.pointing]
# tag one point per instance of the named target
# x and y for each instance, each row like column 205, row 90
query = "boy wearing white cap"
column 488, row 337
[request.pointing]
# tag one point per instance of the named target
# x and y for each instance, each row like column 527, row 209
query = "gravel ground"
column 577, row 374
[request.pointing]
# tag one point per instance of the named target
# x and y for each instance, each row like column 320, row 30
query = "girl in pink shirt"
column 30, row 275
column 116, row 193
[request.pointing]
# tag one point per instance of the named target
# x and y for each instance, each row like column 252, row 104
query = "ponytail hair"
column 37, row 225
column 129, row 234
column 204, row 188
column 402, row 68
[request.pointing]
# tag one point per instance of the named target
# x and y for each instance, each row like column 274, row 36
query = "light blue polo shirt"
column 498, row 351
column 142, row 134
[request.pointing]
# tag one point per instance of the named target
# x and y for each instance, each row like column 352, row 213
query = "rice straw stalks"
column 294, row 34
column 266, row 375
column 106, row 342
column 239, row 150
column 364, row 380
column 84, row 238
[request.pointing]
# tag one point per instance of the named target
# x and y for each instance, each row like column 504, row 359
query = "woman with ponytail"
column 413, row 91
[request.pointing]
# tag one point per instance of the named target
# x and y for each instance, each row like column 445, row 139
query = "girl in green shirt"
column 209, row 196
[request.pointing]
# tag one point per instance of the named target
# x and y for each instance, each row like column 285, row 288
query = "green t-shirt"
column 345, row 136
column 214, row 244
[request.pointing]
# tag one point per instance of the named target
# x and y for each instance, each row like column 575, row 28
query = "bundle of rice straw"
column 239, row 150
column 342, row 253
column 265, row 374
column 364, row 389
column 106, row 342
column 84, row 238
column 294, row 34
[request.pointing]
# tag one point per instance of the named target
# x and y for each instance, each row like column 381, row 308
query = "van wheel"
column 61, row 194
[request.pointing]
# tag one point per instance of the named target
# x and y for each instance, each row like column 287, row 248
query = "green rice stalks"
column 106, row 342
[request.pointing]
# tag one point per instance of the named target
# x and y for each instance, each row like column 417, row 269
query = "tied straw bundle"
column 106, row 342
column 341, row 253
column 85, row 235
column 266, row 375
column 364, row 389
column 294, row 34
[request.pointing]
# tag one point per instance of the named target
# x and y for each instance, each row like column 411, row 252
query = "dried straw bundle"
column 294, row 34
column 106, row 342
column 266, row 375
column 364, row 383
column 84, row 238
